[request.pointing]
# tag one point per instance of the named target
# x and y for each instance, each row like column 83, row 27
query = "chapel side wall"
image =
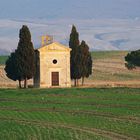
column 36, row 78
column 43, row 69
column 68, row 71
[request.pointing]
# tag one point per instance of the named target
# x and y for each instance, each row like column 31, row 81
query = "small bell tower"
column 46, row 40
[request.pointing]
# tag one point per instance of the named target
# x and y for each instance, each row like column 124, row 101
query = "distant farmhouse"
column 52, row 62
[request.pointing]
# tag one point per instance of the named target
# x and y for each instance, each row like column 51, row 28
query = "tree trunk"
column 25, row 83
column 19, row 83
column 82, row 81
column 75, row 82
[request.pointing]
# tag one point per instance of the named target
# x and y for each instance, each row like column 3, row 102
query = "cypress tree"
column 20, row 65
column 89, row 65
column 12, row 69
column 80, row 60
column 25, row 55
column 86, row 61
column 74, row 44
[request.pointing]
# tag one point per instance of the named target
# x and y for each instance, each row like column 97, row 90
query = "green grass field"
column 96, row 55
column 70, row 114
column 3, row 60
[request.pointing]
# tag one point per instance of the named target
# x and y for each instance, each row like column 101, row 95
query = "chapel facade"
column 52, row 62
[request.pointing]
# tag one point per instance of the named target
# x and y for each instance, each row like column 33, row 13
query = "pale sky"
column 69, row 9
column 103, row 24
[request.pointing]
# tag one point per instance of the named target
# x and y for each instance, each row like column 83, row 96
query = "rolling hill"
column 100, row 34
column 108, row 71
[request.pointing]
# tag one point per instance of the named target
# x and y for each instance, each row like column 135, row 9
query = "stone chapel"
column 52, row 61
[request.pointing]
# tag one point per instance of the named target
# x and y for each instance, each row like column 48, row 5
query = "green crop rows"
column 69, row 114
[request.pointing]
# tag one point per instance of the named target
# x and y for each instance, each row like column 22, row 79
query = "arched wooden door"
column 55, row 78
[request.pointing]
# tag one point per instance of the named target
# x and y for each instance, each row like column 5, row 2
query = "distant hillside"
column 100, row 34
column 108, row 70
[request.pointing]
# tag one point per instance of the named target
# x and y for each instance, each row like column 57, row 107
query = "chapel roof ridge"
column 55, row 43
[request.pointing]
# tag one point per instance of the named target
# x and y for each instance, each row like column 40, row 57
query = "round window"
column 54, row 61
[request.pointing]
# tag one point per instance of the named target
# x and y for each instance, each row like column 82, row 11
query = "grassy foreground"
column 70, row 114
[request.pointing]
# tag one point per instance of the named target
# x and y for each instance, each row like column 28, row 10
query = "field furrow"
column 75, row 113
column 94, row 131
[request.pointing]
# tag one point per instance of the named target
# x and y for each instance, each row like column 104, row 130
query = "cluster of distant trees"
column 20, row 64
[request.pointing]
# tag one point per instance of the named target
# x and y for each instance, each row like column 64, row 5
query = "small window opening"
column 54, row 61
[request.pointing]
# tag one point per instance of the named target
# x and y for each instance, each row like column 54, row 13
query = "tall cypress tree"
column 86, row 61
column 25, row 54
column 20, row 65
column 89, row 65
column 74, row 44
column 81, row 60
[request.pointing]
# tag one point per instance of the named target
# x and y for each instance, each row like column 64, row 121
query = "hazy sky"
column 103, row 24
column 69, row 9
